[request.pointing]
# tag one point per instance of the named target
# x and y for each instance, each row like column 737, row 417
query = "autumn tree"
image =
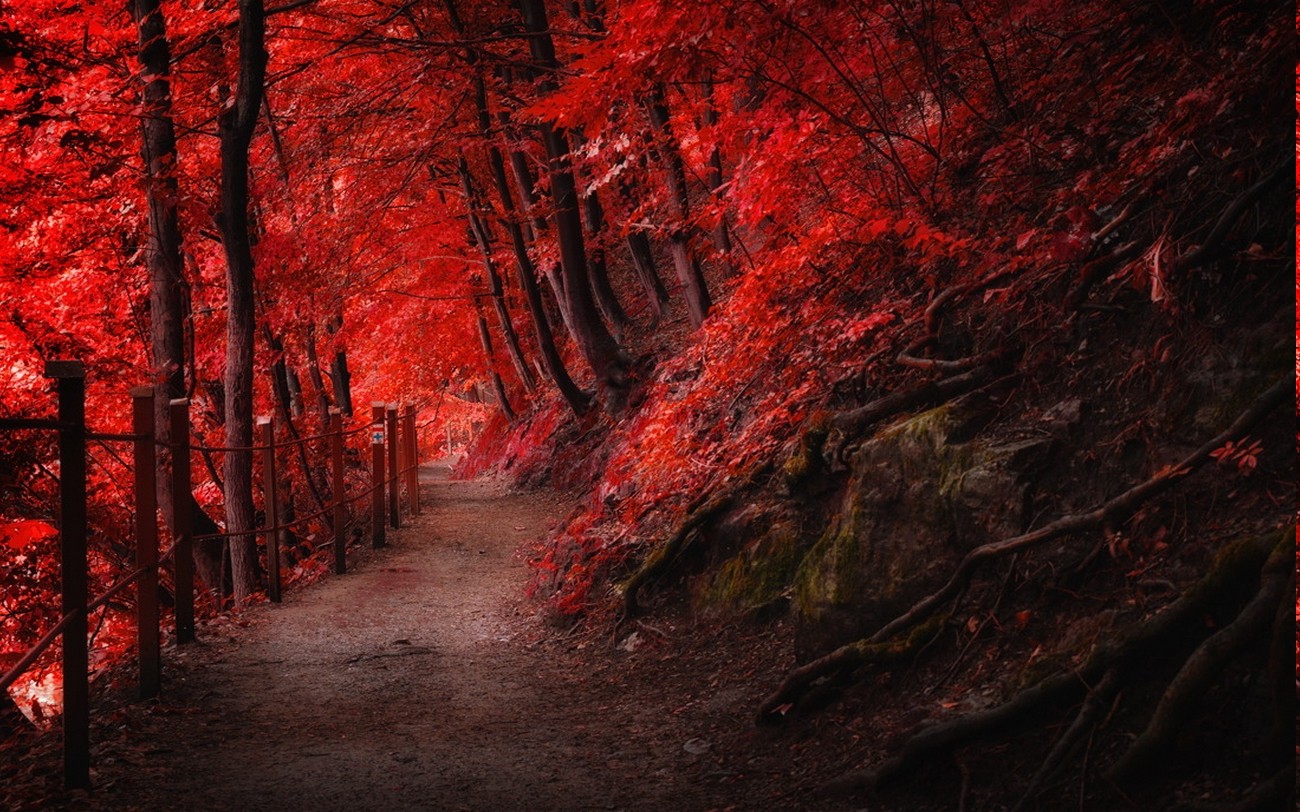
column 236, row 129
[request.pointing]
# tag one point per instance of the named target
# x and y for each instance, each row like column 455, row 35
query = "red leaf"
column 20, row 534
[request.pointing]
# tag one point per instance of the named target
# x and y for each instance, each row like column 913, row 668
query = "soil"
column 425, row 679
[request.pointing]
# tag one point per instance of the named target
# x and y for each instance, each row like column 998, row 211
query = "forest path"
column 419, row 680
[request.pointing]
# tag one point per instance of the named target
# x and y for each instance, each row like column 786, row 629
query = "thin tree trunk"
column 495, row 289
column 282, row 387
column 535, row 224
column 485, row 338
column 236, row 130
column 643, row 260
column 578, row 400
column 688, row 268
column 317, row 380
column 594, row 219
column 593, row 339
column 340, row 377
column 721, row 232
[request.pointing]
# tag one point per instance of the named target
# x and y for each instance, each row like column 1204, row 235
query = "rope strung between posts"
column 300, row 520
column 11, row 676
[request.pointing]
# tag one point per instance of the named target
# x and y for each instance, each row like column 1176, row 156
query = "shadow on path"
column 416, row 681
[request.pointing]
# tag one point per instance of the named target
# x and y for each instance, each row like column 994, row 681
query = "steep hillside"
column 1011, row 463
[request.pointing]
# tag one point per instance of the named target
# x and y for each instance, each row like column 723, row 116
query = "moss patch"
column 760, row 573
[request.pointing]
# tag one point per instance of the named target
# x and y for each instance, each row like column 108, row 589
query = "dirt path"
column 420, row 680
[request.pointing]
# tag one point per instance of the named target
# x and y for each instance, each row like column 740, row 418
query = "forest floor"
column 425, row 679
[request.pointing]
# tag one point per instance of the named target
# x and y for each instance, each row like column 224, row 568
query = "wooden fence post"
column 271, row 506
column 377, row 474
column 71, row 383
column 390, row 424
column 183, row 557
column 412, row 462
column 144, row 460
column 336, row 467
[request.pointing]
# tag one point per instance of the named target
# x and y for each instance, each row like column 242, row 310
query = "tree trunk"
column 688, row 268
column 340, row 377
column 485, row 338
column 282, row 387
column 236, row 130
column 168, row 295
column 535, row 224
column 594, row 219
column 721, row 232
column 474, row 205
column 643, row 260
column 163, row 257
column 578, row 400
column 317, row 380
column 593, row 339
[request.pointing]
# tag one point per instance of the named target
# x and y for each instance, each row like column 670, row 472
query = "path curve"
column 416, row 681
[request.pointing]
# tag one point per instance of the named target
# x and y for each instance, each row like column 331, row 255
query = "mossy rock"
column 759, row 574
column 914, row 504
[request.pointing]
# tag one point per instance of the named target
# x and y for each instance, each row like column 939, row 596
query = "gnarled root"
column 1234, row 564
column 843, row 661
column 1109, row 513
column 1209, row 661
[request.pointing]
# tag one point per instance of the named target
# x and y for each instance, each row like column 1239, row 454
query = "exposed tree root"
column 1096, row 270
column 1205, row 664
column 1111, row 513
column 910, row 358
column 930, row 393
column 698, row 513
column 1234, row 564
column 842, row 662
column 1211, row 246
column 1095, row 706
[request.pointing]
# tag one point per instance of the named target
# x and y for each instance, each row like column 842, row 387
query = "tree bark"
column 594, row 219
column 168, row 294
column 498, row 386
column 340, row 377
column 317, row 380
column 722, row 231
column 236, row 131
column 643, row 260
column 478, row 226
column 510, row 219
column 687, row 264
column 163, row 257
column 593, row 339
column 282, row 387
column 535, row 223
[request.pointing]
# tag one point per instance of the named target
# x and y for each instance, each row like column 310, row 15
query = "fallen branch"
column 1111, row 512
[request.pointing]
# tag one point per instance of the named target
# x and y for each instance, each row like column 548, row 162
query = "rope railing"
column 394, row 464
column 38, row 648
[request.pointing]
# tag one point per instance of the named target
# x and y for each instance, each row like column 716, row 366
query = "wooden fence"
column 394, row 465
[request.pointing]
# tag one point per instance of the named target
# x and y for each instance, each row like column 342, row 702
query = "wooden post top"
column 65, row 369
